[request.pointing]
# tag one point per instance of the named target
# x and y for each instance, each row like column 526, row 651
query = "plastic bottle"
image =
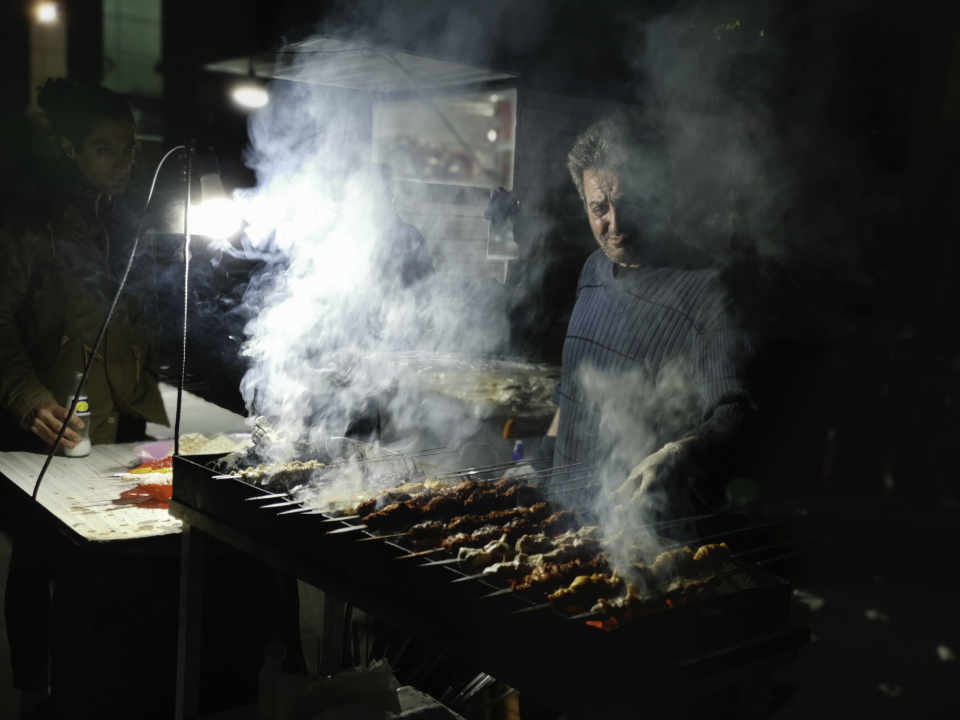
column 82, row 411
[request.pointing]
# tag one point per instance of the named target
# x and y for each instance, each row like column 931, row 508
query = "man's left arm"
column 716, row 446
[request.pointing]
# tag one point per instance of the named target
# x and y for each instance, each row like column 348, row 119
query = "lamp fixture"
column 46, row 13
column 250, row 93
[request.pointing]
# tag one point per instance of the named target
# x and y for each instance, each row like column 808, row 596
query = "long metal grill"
column 475, row 614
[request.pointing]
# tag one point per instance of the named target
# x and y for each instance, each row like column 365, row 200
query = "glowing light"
column 217, row 219
column 492, row 135
column 216, row 216
column 250, row 96
column 46, row 13
column 494, row 98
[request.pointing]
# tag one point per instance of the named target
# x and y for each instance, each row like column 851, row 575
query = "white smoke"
column 337, row 311
column 636, row 411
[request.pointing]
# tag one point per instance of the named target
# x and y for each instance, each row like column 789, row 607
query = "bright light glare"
column 492, row 135
column 248, row 96
column 217, row 219
column 46, row 13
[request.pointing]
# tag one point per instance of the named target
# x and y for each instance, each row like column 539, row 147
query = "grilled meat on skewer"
column 624, row 606
column 426, row 534
column 466, row 523
column 535, row 543
column 585, row 591
column 541, row 542
column 381, row 500
column 292, row 472
column 560, row 522
column 490, row 533
column 466, row 498
column 673, row 564
column 713, row 558
column 431, row 533
column 514, row 569
column 548, row 577
column 708, row 564
column 523, row 564
column 479, row 537
column 395, row 515
column 478, row 558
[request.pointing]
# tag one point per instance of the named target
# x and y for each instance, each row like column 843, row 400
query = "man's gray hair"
column 610, row 143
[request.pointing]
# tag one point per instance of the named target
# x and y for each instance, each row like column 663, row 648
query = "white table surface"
column 80, row 491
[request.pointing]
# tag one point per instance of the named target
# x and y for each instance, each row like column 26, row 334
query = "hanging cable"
column 106, row 322
column 186, row 285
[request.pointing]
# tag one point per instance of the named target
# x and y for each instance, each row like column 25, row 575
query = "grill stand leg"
column 331, row 643
column 193, row 544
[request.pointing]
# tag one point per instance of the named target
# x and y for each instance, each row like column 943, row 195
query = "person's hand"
column 660, row 477
column 45, row 422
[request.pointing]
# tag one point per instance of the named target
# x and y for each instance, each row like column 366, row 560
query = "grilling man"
column 651, row 387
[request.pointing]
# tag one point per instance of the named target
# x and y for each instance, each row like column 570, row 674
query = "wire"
column 186, row 304
column 106, row 322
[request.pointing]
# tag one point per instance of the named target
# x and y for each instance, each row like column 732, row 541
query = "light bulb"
column 46, row 13
column 250, row 96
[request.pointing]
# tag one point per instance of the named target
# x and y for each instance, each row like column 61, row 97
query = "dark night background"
column 855, row 317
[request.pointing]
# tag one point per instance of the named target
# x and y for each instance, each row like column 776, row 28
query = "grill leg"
column 331, row 642
column 193, row 544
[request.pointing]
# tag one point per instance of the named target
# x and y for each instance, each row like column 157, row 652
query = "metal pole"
column 186, row 297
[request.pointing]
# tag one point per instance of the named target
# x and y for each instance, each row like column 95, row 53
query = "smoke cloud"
column 352, row 308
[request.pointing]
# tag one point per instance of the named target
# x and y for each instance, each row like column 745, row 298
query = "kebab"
column 673, row 571
column 468, row 497
column 585, row 591
column 514, row 564
column 431, row 533
column 422, row 491
column 547, row 577
column 522, row 525
column 296, row 470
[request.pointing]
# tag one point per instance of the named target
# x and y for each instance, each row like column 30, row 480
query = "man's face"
column 624, row 225
column 106, row 155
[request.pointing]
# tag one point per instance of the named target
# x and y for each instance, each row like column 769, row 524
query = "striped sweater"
column 651, row 355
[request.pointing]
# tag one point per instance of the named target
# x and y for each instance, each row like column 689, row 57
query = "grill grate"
column 510, row 635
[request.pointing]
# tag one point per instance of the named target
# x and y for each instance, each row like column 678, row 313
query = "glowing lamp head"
column 46, row 13
column 216, row 215
column 250, row 96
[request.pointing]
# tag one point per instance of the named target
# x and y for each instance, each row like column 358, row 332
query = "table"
column 115, row 576
column 77, row 493
column 115, row 606
column 114, row 571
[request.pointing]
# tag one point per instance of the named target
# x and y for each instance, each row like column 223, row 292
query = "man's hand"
column 45, row 422
column 659, row 472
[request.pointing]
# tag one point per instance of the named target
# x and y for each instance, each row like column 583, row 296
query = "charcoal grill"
column 666, row 658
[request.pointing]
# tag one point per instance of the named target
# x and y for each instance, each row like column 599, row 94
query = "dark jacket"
column 60, row 270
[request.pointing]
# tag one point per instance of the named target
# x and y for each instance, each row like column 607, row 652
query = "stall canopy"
column 357, row 65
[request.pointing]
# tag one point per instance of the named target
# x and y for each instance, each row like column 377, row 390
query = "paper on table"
column 80, row 491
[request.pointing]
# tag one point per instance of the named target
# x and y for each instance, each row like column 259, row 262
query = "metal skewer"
column 383, row 537
column 351, row 528
column 505, row 591
column 420, row 553
column 285, row 503
column 268, row 496
column 476, row 576
column 296, row 511
column 440, row 563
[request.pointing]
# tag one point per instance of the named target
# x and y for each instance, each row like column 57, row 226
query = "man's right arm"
column 554, row 425
column 544, row 455
column 23, row 398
